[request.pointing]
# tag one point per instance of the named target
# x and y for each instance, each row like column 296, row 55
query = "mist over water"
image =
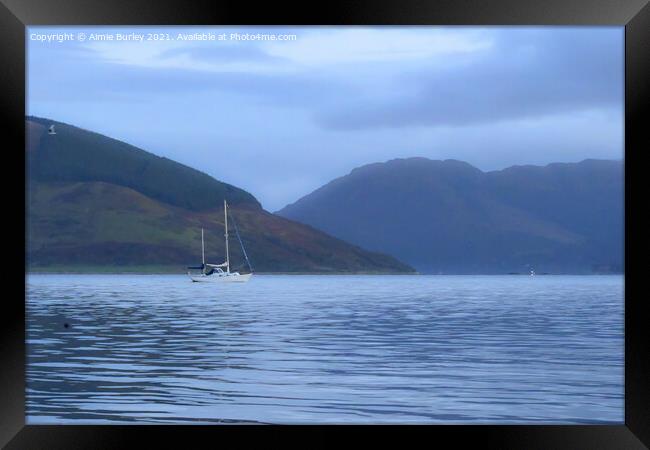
column 325, row 349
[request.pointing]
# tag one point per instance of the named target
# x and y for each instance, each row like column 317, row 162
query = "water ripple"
column 325, row 349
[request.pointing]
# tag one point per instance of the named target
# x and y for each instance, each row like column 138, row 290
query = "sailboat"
column 216, row 272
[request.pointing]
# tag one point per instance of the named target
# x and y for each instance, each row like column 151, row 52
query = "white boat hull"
column 221, row 278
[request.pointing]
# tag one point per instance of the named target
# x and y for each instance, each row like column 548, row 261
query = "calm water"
column 325, row 349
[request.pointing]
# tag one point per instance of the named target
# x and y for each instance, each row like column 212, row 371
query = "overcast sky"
column 281, row 118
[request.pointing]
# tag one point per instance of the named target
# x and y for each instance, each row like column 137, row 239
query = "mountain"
column 76, row 155
column 450, row 217
column 95, row 203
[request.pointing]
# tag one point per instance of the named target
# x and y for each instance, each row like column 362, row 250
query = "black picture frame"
column 15, row 15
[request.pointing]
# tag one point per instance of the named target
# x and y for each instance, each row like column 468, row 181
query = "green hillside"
column 74, row 154
column 88, row 210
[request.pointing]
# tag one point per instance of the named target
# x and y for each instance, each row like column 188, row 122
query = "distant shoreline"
column 163, row 270
column 139, row 271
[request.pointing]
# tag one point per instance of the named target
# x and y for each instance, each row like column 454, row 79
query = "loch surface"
column 325, row 349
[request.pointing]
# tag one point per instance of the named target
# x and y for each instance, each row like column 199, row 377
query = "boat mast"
column 202, row 250
column 225, row 221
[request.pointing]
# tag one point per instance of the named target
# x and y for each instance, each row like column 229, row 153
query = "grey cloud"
column 535, row 75
column 224, row 52
column 99, row 79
